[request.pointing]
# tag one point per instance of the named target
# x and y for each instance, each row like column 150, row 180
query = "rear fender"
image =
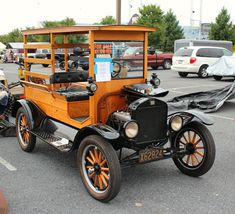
column 192, row 115
column 103, row 130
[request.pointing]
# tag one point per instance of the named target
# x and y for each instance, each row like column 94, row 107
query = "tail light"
column 192, row 60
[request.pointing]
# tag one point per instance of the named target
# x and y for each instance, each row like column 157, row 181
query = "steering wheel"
column 116, row 69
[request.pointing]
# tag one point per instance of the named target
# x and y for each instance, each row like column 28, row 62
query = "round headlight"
column 93, row 87
column 131, row 129
column 176, row 123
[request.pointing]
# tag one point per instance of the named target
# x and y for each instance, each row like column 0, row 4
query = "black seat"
column 67, row 77
column 74, row 93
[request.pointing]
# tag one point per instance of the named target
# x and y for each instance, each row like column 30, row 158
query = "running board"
column 62, row 144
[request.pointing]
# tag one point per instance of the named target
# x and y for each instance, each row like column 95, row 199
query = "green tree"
column 222, row 28
column 107, row 20
column 14, row 36
column 152, row 16
column 171, row 31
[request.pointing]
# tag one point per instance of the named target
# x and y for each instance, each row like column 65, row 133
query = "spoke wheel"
column 99, row 168
column 23, row 126
column 199, row 145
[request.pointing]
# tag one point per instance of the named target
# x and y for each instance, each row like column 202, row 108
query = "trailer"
column 191, row 42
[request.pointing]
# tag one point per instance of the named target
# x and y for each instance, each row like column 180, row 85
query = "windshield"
column 121, row 58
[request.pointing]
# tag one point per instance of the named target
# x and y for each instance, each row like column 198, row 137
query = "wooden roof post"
column 52, row 40
column 66, row 53
column 25, row 56
column 145, row 55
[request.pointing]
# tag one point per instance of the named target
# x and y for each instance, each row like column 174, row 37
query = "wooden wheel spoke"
column 104, row 181
column 105, row 169
column 199, row 153
column 187, row 161
column 194, row 138
column 100, row 182
column 91, row 161
column 192, row 159
column 196, row 158
column 198, row 141
column 95, row 180
column 96, row 155
column 105, row 175
column 88, row 167
column 182, row 143
column 26, row 136
column 103, row 162
column 199, row 147
column 189, row 137
column 92, row 174
column 185, row 139
column 92, row 156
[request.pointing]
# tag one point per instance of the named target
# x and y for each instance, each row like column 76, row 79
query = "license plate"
column 150, row 155
column 180, row 62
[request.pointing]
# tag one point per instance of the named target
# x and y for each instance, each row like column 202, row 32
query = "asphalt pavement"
column 46, row 181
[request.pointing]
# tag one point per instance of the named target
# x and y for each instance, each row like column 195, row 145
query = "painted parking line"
column 7, row 165
column 193, row 86
column 223, row 117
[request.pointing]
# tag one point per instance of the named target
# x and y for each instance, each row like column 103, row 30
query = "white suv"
column 196, row 59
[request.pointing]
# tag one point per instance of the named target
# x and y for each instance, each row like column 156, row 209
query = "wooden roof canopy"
column 87, row 29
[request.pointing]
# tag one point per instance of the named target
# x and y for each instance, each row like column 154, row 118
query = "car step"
column 62, row 144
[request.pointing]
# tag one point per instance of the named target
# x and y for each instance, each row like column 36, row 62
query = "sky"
column 29, row 13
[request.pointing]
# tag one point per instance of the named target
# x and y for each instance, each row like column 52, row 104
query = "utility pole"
column 118, row 12
column 200, row 21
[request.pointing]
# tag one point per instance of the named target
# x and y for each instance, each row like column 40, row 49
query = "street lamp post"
column 118, row 12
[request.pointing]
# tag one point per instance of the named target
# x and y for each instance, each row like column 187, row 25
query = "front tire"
column 99, row 168
column 183, row 74
column 218, row 78
column 26, row 139
column 198, row 142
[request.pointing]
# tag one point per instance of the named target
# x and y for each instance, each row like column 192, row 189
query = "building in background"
column 193, row 32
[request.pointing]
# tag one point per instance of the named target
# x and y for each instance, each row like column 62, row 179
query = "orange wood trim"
column 119, row 35
column 52, row 39
column 34, row 85
column 91, row 74
column 55, row 46
column 25, row 52
column 35, row 74
column 66, row 40
column 35, row 46
column 39, row 61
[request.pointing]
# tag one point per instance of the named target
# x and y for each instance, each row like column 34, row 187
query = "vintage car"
column 108, row 111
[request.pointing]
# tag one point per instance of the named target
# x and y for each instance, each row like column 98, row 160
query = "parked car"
column 224, row 67
column 196, row 59
column 155, row 58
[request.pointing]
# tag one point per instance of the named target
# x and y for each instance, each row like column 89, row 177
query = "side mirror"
column 151, row 52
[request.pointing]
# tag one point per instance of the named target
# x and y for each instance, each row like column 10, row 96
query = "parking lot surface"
column 47, row 181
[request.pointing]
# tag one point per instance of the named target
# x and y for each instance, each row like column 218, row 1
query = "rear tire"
column 45, row 65
column 183, row 74
column 99, row 168
column 202, row 73
column 154, row 67
column 217, row 77
column 197, row 140
column 167, row 64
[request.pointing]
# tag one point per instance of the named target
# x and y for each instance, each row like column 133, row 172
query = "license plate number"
column 150, row 155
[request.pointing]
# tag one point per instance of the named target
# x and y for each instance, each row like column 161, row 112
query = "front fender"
column 103, row 130
column 192, row 115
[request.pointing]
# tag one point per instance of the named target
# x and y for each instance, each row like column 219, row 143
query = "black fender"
column 103, row 130
column 33, row 112
column 192, row 115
